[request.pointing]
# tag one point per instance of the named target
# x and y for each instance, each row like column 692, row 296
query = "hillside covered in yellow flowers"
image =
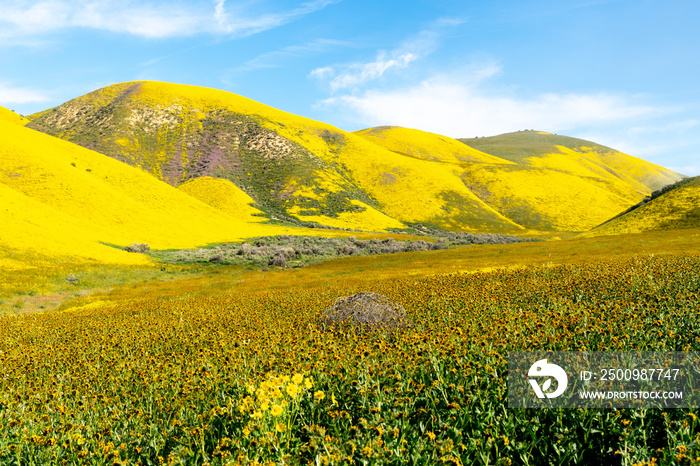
column 179, row 166
column 307, row 173
column 674, row 207
column 60, row 199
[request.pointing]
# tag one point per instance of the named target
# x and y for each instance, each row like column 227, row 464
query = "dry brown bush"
column 365, row 312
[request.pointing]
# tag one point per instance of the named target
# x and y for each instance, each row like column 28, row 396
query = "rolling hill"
column 575, row 156
column 538, row 180
column 293, row 167
column 675, row 207
column 60, row 199
column 560, row 180
column 308, row 172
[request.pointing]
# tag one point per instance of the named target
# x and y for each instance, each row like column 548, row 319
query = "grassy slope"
column 291, row 166
column 377, row 179
column 61, row 199
column 363, row 270
column 360, row 270
column 222, row 194
column 569, row 192
column 677, row 208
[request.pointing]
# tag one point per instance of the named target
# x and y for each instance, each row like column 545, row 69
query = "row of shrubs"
column 286, row 250
column 291, row 247
column 458, row 238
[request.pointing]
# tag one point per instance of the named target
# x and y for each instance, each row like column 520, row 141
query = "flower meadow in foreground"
column 247, row 377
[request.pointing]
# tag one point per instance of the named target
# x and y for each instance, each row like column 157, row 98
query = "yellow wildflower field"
column 231, row 367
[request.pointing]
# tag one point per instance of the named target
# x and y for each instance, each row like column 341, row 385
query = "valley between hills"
column 177, row 166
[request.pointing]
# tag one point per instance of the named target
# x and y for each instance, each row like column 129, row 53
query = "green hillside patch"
column 520, row 145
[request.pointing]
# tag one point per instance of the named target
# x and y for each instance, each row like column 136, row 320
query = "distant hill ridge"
column 308, row 172
column 538, row 148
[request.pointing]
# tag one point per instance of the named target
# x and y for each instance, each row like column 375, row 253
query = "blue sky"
column 621, row 73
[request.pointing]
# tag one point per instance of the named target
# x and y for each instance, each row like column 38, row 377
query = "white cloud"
column 354, row 75
column 325, row 72
column 458, row 106
column 19, row 95
column 159, row 19
column 469, row 104
column 357, row 74
column 670, row 127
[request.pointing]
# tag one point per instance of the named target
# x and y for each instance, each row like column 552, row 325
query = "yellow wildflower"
column 276, row 410
column 293, row 390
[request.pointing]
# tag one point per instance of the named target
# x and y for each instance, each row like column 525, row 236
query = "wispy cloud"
column 20, row 95
column 359, row 73
column 354, row 75
column 159, row 19
column 234, row 20
column 276, row 58
column 669, row 127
